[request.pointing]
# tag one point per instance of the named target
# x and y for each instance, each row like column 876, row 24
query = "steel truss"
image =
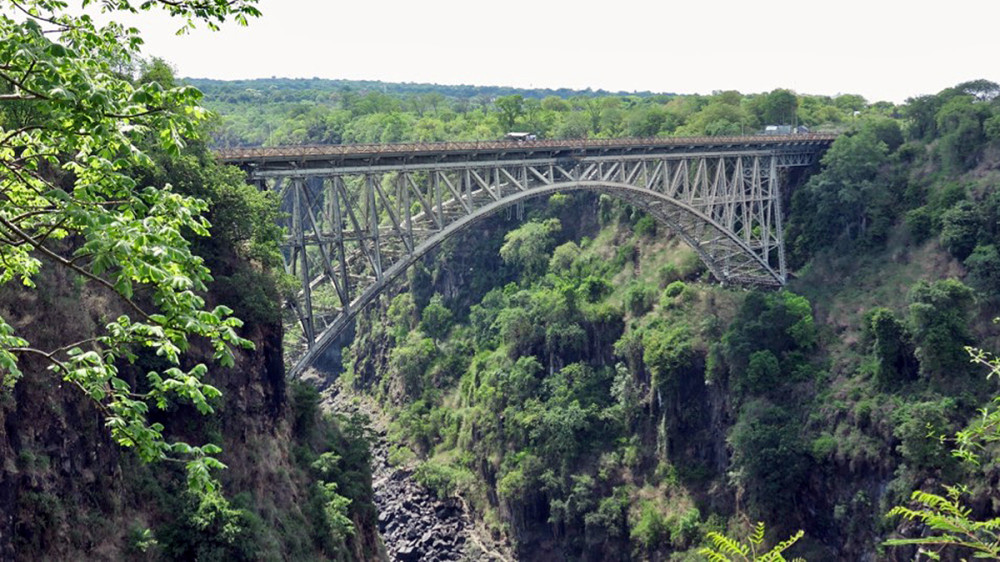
column 353, row 229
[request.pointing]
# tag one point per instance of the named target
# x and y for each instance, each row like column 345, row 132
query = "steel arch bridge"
column 357, row 216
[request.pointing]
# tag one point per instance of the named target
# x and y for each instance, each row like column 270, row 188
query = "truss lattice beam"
column 353, row 227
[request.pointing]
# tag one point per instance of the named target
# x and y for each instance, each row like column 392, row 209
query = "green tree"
column 411, row 360
column 575, row 125
column 402, row 315
column 668, row 354
column 645, row 121
column 960, row 127
column 638, row 298
column 555, row 103
column 651, row 530
column 983, row 90
column 918, row 426
column 779, row 323
column 939, row 317
column 850, row 102
column 770, row 459
column 511, row 108
column 922, row 114
column 779, row 107
column 892, row 347
column 886, row 130
column 717, row 119
column 68, row 199
column 563, row 258
column 991, row 128
column 762, row 371
column 528, row 246
column 435, row 319
column 207, row 527
column 984, row 269
column 960, row 227
column 846, row 199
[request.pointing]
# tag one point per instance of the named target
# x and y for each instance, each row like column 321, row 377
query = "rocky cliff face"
column 68, row 492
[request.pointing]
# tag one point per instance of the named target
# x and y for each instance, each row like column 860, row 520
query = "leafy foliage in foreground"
column 951, row 523
column 75, row 127
column 725, row 549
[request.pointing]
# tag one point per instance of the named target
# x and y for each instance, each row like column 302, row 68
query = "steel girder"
column 352, row 230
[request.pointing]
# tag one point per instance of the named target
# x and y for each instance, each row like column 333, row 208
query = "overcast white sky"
column 881, row 49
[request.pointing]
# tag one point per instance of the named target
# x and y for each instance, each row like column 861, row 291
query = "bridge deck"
column 277, row 157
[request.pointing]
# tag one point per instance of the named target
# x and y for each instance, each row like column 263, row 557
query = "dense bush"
column 770, row 459
column 892, row 347
column 939, row 316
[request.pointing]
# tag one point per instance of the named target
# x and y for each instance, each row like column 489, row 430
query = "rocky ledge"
column 414, row 524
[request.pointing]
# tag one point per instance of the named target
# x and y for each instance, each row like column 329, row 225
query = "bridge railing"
column 334, row 150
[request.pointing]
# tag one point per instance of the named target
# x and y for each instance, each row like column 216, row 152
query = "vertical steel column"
column 496, row 182
column 373, row 225
column 406, row 207
column 775, row 193
column 767, row 215
column 755, row 190
column 300, row 245
column 720, row 195
column 433, row 200
column 323, row 247
column 467, row 178
column 738, row 189
column 338, row 229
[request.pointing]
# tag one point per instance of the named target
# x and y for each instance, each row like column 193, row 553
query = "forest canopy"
column 313, row 111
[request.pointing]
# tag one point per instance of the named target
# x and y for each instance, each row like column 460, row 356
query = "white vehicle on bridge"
column 520, row 137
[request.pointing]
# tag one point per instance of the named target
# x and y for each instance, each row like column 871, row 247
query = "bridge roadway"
column 357, row 216
column 295, row 158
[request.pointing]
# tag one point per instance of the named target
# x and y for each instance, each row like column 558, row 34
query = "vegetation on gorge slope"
column 609, row 402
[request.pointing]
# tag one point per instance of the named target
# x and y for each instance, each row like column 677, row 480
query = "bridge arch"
column 358, row 217
column 665, row 210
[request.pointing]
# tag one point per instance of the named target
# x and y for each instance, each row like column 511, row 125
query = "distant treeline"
column 284, row 111
column 297, row 89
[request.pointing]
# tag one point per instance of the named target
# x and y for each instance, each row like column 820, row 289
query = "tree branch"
column 19, row 84
column 152, row 111
column 29, row 214
column 20, row 131
column 67, row 263
column 63, row 27
column 18, row 97
column 17, row 171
